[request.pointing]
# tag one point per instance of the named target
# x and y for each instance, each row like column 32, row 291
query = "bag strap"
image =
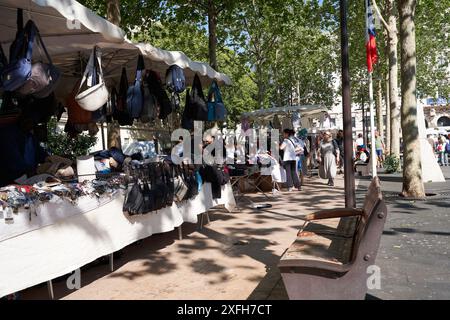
column 123, row 87
column 217, row 92
column 88, row 72
column 292, row 143
column 30, row 31
column 140, row 68
column 98, row 59
column 3, row 58
column 41, row 43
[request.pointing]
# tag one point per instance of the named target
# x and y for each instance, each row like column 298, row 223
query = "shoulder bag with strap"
column 216, row 108
column 44, row 76
column 96, row 95
column 121, row 112
column 17, row 72
column 180, row 187
column 297, row 149
column 198, row 108
column 150, row 107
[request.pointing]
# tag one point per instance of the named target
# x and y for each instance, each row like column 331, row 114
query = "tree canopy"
column 281, row 52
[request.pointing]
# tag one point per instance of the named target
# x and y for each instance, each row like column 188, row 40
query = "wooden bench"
column 330, row 260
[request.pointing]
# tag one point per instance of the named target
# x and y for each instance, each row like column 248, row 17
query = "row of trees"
column 281, row 52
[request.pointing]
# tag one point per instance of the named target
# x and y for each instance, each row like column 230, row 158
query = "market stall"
column 39, row 254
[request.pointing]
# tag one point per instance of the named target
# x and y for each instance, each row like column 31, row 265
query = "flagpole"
column 372, row 128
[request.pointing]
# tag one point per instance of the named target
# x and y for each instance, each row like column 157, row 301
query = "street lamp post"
column 349, row 176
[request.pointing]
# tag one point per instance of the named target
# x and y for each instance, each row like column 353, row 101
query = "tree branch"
column 377, row 10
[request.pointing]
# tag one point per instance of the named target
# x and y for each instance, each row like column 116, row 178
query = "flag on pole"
column 371, row 44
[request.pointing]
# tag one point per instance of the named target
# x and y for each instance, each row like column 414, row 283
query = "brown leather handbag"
column 76, row 114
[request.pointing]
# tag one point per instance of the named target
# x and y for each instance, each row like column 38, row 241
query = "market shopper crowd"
column 441, row 146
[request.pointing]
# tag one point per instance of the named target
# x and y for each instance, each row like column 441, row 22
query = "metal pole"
column 103, row 137
column 349, row 176
column 363, row 108
column 372, row 128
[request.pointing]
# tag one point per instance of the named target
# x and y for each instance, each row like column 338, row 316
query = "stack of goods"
column 46, row 188
column 157, row 185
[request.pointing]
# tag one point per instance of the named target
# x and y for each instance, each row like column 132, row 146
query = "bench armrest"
column 312, row 266
column 332, row 213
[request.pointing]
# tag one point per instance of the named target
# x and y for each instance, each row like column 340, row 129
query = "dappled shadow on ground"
column 252, row 237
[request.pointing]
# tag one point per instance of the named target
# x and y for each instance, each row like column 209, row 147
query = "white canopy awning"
column 304, row 110
column 70, row 30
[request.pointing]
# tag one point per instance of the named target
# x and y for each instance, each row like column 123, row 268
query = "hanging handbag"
column 187, row 121
column 44, row 76
column 168, row 182
column 134, row 94
column 16, row 73
column 96, row 94
column 197, row 108
column 150, row 107
column 76, row 114
column 180, row 187
column 191, row 183
column 160, row 189
column 121, row 111
column 216, row 108
column 156, row 88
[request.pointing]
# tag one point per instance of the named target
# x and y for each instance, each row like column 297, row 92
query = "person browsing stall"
column 290, row 160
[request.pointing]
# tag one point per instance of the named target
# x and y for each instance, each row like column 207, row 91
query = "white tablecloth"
column 59, row 248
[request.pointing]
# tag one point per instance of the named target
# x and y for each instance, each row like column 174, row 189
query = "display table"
column 60, row 247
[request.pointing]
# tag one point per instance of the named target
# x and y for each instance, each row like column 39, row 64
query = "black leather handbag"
column 139, row 200
column 191, row 182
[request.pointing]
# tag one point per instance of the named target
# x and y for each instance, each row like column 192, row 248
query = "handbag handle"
column 3, row 59
column 30, row 32
column 123, row 87
column 214, row 91
column 90, row 70
column 41, row 43
column 140, row 68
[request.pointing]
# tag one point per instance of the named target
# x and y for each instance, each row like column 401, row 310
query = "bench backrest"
column 371, row 202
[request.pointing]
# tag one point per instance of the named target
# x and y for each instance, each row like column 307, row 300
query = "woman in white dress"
column 328, row 157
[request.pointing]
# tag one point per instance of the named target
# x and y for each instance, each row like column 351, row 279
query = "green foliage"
column 60, row 143
column 432, row 45
column 276, row 49
column 392, row 164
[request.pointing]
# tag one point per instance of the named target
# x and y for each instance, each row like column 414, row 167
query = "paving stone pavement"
column 414, row 254
column 236, row 255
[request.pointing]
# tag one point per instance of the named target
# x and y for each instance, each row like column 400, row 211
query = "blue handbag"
column 17, row 72
column 216, row 108
column 135, row 94
column 44, row 77
column 211, row 111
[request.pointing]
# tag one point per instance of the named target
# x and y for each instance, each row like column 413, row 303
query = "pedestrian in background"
column 290, row 160
column 340, row 143
column 328, row 157
column 441, row 151
column 379, row 148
